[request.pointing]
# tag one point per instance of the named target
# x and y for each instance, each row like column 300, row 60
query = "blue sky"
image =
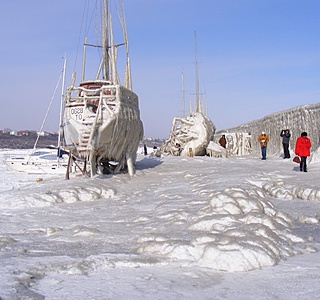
column 255, row 57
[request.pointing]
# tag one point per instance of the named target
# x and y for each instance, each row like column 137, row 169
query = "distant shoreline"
column 8, row 141
column 26, row 141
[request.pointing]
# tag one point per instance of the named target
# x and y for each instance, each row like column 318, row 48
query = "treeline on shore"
column 8, row 141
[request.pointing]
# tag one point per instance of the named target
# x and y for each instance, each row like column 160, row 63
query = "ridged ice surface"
column 180, row 228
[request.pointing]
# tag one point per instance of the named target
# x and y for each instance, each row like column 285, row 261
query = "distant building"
column 22, row 132
column 6, row 130
column 42, row 133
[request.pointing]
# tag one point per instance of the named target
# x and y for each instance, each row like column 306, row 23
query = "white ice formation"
column 189, row 136
column 237, row 230
column 238, row 144
column 297, row 119
column 56, row 195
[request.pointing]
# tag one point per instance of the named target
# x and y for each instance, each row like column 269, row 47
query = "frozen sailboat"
column 102, row 123
column 49, row 160
column 190, row 135
column 41, row 161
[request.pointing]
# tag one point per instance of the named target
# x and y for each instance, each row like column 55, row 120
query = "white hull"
column 43, row 161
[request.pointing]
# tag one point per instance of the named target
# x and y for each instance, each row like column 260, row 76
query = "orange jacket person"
column 303, row 145
column 263, row 139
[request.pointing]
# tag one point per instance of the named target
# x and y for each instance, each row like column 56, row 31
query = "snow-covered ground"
column 181, row 228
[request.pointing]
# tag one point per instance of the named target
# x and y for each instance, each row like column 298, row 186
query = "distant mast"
column 104, row 67
column 183, row 95
column 198, row 107
column 127, row 75
column 62, row 102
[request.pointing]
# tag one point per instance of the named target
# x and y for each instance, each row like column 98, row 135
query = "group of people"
column 302, row 147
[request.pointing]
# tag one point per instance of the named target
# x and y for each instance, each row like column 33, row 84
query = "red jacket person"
column 303, row 145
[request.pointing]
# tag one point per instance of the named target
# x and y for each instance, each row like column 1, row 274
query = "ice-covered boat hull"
column 102, row 123
column 189, row 136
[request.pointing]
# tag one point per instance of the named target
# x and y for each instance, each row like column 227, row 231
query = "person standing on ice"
column 145, row 149
column 263, row 139
column 223, row 141
column 285, row 134
column 302, row 149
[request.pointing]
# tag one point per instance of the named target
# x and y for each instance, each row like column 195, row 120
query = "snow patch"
column 239, row 230
column 52, row 195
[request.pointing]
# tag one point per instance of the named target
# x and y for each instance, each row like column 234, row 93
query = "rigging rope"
column 46, row 115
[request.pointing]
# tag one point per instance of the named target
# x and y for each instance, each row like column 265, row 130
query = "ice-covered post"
column 131, row 169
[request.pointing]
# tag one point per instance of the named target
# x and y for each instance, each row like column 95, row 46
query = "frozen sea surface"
column 180, row 228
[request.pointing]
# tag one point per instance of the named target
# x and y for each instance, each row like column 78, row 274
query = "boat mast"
column 198, row 107
column 46, row 115
column 127, row 75
column 113, row 54
column 61, row 103
column 105, row 40
column 183, row 95
column 84, row 59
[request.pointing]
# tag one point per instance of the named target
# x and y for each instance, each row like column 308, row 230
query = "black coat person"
column 145, row 149
column 285, row 134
